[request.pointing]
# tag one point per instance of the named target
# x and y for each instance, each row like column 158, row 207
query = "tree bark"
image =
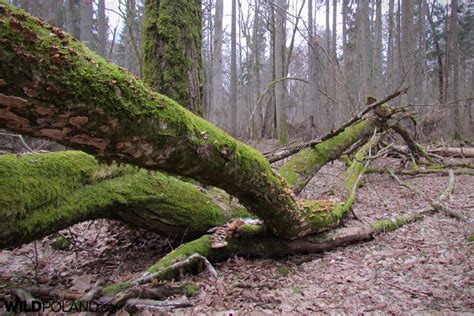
column 456, row 120
column 102, row 23
column 408, row 46
column 233, row 70
column 62, row 91
column 172, row 51
column 280, row 87
column 86, row 23
column 44, row 193
column 302, row 167
column 217, row 110
column 314, row 106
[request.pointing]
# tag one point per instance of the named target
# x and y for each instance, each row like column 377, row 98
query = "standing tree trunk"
column 233, row 69
column 408, row 44
column 101, row 28
column 437, row 49
column 280, row 53
column 390, row 50
column 378, row 52
column 314, row 113
column 257, row 122
column 172, row 50
column 217, row 106
column 454, row 64
column 86, row 35
column 364, row 44
column 71, row 16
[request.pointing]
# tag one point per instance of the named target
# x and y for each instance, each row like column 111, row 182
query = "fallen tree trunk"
column 289, row 150
column 302, row 167
column 463, row 152
column 44, row 193
column 253, row 241
column 61, row 91
column 460, row 152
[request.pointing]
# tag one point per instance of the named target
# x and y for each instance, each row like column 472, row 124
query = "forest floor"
column 424, row 267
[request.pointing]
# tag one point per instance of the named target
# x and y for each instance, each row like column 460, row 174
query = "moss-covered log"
column 44, row 193
column 261, row 245
column 301, row 168
column 51, row 86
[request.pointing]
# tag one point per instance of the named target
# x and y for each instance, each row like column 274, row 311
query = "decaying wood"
column 136, row 305
column 462, row 152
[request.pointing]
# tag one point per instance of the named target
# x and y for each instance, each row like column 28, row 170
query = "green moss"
column 61, row 243
column 251, row 229
column 297, row 291
column 284, row 271
column 115, row 288
column 134, row 124
column 200, row 246
column 470, row 238
column 44, row 193
column 392, row 224
column 172, row 49
column 29, row 182
column 308, row 161
column 190, row 289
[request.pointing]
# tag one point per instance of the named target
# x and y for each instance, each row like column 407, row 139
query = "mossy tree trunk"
column 62, row 91
column 44, row 193
column 172, row 51
column 302, row 167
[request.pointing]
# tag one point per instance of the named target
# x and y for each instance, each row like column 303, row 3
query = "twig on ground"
column 436, row 203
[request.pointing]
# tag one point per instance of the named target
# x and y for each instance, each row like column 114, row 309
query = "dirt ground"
column 424, row 267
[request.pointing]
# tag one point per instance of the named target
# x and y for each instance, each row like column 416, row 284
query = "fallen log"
column 286, row 151
column 62, row 91
column 461, row 152
column 254, row 241
column 424, row 171
column 302, row 167
column 44, row 193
